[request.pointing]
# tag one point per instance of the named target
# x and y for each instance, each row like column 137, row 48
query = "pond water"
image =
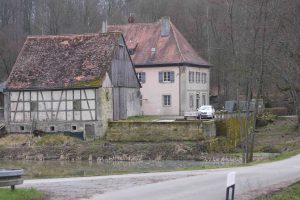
column 56, row 168
column 51, row 169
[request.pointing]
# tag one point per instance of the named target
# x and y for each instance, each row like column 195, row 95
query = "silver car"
column 206, row 111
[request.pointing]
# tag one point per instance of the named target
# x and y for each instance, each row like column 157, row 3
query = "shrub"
column 270, row 149
column 265, row 118
column 279, row 111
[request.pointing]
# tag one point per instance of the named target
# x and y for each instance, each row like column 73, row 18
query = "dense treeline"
column 254, row 45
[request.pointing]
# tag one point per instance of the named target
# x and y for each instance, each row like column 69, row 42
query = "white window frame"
column 198, row 77
column 204, row 78
column 167, row 77
column 168, row 101
column 139, row 76
column 198, row 100
column 191, row 77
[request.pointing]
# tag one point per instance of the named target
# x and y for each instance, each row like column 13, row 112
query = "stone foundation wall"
column 160, row 131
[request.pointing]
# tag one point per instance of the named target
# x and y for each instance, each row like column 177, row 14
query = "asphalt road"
column 251, row 181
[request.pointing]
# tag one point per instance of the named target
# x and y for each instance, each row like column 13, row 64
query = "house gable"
column 63, row 62
column 155, row 44
column 122, row 70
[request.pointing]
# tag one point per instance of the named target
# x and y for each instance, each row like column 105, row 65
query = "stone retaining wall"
column 125, row 131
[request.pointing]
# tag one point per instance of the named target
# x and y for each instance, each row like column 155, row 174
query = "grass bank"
column 280, row 137
column 20, row 194
column 290, row 193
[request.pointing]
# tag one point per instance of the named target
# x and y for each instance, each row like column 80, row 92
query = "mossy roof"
column 62, row 62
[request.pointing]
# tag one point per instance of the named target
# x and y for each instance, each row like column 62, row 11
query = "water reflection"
column 50, row 169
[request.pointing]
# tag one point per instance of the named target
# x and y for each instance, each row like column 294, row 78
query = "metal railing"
column 11, row 177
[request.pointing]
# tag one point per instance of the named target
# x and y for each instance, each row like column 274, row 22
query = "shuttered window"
column 166, row 77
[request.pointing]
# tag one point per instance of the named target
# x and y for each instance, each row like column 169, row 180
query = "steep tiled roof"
column 68, row 61
column 173, row 49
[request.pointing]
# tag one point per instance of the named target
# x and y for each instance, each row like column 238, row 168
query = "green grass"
column 142, row 118
column 289, row 193
column 286, row 155
column 20, row 194
column 280, row 136
column 282, row 156
column 56, row 139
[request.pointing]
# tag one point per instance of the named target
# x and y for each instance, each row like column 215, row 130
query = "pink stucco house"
column 174, row 78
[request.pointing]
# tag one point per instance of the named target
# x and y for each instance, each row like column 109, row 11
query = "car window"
column 205, row 108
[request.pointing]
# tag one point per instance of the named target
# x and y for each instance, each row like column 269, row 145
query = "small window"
column 33, row 106
column 198, row 77
column 166, row 77
column 204, row 78
column 153, row 51
column 22, row 128
column 167, row 100
column 191, row 77
column 74, row 128
column 131, row 51
column 191, row 101
column 197, row 101
column 141, row 77
column 52, row 128
column 77, row 105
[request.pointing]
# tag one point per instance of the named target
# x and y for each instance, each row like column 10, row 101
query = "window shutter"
column 161, row 77
column 172, row 77
column 143, row 77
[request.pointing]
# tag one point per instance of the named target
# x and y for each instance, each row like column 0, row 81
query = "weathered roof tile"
column 66, row 61
column 173, row 49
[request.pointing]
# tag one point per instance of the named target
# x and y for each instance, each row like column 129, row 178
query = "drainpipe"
column 180, row 112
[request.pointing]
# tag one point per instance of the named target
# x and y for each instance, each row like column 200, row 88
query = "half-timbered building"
column 2, row 86
column 71, row 83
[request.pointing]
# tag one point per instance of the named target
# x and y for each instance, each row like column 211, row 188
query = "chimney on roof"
column 165, row 27
column 104, row 26
column 131, row 18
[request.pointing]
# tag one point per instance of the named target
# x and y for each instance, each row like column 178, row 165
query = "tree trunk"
column 297, row 108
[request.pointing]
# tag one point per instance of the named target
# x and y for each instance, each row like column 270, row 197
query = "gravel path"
column 86, row 187
column 251, row 181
